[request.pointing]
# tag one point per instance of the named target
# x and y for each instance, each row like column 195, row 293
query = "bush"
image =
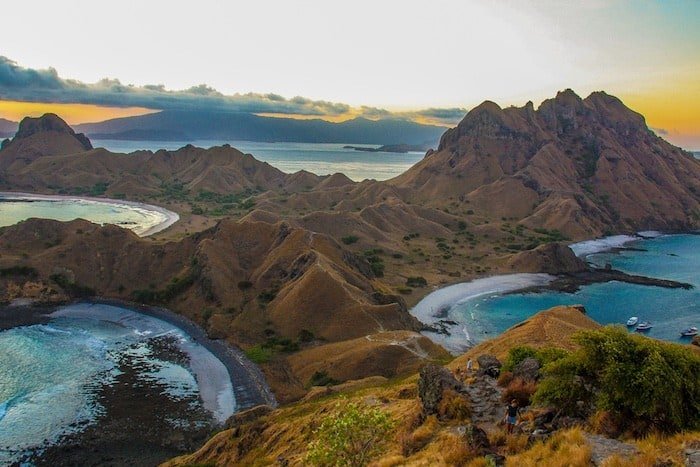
column 259, row 354
column 351, row 436
column 642, row 380
column 544, row 356
column 321, row 378
column 19, row 271
column 350, row 239
column 417, row 281
column 306, row 336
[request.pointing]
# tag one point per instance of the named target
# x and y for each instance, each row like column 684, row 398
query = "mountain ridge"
column 191, row 125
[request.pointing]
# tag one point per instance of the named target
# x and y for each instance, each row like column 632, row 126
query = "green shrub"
column 259, row 354
column 351, row 436
column 71, row 288
column 350, row 239
column 645, row 381
column 19, row 271
column 416, row 281
column 321, row 378
column 543, row 356
column 306, row 336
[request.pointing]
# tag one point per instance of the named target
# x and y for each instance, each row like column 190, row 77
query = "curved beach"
column 434, row 310
column 158, row 217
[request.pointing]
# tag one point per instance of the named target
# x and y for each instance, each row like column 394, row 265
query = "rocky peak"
column 49, row 123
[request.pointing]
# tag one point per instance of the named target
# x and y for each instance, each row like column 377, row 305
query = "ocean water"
column 675, row 257
column 141, row 219
column 50, row 374
column 318, row 158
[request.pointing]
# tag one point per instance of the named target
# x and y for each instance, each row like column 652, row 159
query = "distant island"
column 398, row 148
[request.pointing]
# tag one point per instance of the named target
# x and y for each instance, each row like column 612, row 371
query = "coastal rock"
column 433, row 382
column 489, row 365
column 696, row 341
column 552, row 258
column 528, row 369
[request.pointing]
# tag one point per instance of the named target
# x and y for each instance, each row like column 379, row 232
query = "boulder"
column 528, row 369
column 696, row 341
column 477, row 440
column 489, row 365
column 433, row 381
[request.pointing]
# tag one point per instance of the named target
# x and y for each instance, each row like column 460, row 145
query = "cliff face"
column 582, row 166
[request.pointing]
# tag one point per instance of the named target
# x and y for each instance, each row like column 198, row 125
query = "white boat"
column 632, row 321
column 690, row 332
column 643, row 326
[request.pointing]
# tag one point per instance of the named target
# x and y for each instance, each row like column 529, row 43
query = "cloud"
column 31, row 85
column 660, row 131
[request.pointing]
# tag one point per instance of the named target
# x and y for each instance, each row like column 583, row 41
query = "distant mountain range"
column 194, row 125
column 7, row 128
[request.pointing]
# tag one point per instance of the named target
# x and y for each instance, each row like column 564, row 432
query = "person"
column 469, row 366
column 512, row 412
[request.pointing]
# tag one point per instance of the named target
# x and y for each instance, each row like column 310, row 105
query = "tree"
column 351, row 436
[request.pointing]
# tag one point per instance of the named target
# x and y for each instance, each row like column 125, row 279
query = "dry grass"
column 454, row 406
column 516, row 444
column 455, row 451
column 505, row 378
column 519, row 390
column 605, row 423
column 565, row 449
column 411, row 443
column 658, row 450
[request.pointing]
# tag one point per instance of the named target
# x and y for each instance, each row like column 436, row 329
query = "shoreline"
column 433, row 310
column 247, row 380
column 170, row 217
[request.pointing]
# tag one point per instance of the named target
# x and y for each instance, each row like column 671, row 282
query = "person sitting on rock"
column 512, row 412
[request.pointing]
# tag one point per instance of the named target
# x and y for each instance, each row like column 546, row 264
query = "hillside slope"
column 289, row 290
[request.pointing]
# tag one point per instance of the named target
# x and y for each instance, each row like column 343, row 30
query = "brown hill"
column 283, row 435
column 582, row 166
column 548, row 328
column 251, row 282
column 46, row 153
column 38, row 137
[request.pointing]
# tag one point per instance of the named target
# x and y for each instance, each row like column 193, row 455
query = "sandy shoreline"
column 434, row 310
column 168, row 217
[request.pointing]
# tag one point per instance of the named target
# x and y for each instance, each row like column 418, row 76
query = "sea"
column 141, row 218
column 318, row 158
column 51, row 373
column 675, row 257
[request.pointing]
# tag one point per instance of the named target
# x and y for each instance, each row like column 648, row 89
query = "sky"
column 429, row 61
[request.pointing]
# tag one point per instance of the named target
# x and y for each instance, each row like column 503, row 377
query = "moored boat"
column 643, row 326
column 632, row 321
column 690, row 332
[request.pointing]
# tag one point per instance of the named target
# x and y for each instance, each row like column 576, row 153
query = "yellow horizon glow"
column 73, row 114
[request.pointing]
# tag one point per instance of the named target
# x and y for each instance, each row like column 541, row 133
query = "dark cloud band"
column 31, row 85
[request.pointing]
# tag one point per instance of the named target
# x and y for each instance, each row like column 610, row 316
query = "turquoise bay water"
column 674, row 257
column 50, row 374
column 138, row 219
column 319, row 158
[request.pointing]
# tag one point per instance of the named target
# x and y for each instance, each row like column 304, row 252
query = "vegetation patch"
column 653, row 385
